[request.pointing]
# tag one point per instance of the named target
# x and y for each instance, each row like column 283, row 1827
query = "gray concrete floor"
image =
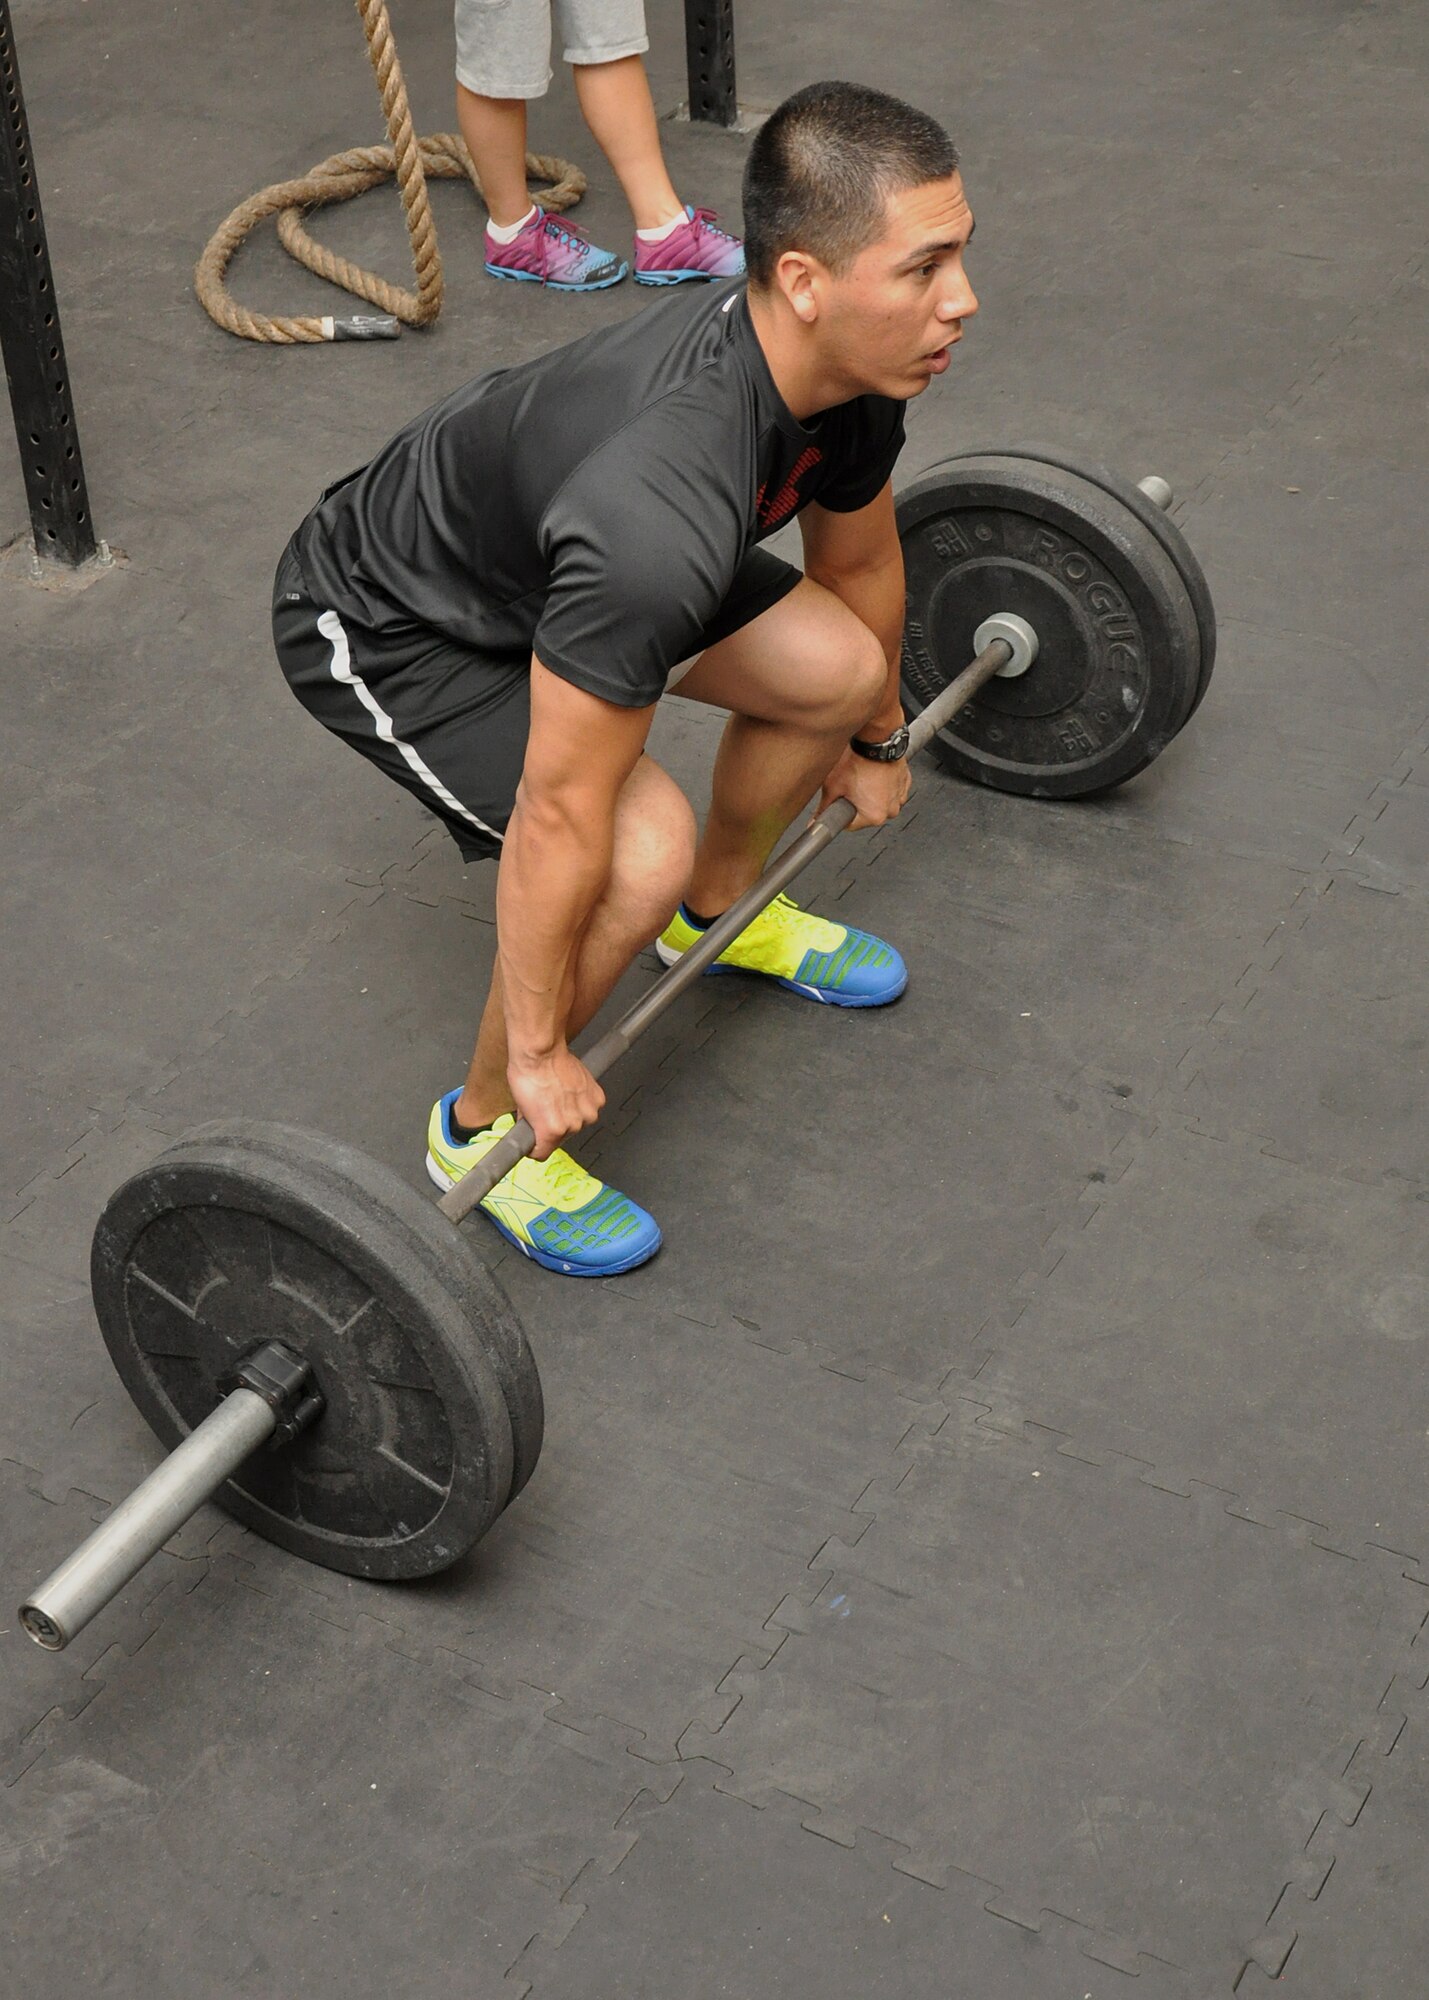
column 985, row 1554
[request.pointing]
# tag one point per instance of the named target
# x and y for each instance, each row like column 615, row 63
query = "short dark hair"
column 822, row 167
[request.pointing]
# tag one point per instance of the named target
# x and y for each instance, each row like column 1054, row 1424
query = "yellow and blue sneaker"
column 829, row 962
column 552, row 1210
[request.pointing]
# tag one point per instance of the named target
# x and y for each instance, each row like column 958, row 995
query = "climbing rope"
column 412, row 160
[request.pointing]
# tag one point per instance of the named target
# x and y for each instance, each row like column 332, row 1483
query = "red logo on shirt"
column 787, row 498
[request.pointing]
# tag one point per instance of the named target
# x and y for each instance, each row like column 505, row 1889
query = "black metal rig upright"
column 709, row 53
column 30, row 338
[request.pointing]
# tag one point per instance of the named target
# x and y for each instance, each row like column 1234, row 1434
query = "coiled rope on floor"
column 407, row 158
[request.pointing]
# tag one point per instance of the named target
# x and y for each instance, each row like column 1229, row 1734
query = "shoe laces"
column 782, row 912
column 564, row 1177
column 559, row 1175
column 784, row 915
column 567, row 232
column 705, row 218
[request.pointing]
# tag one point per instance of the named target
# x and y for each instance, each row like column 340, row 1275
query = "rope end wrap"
column 362, row 326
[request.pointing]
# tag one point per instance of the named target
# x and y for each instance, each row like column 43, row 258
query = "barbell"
column 320, row 1349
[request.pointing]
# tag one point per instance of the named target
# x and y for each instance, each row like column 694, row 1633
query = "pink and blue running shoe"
column 550, row 251
column 697, row 249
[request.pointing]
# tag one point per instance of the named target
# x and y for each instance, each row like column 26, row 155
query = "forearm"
column 878, row 596
column 554, row 864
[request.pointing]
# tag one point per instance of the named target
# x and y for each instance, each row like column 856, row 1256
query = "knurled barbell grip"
column 517, row 1143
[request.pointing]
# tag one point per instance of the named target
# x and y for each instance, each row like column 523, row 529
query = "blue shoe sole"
column 549, row 1262
column 815, row 992
column 673, row 277
column 554, row 284
column 546, row 1258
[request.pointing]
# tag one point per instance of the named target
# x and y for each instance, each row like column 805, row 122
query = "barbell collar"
column 1020, row 637
column 139, row 1526
column 285, row 1382
column 514, row 1145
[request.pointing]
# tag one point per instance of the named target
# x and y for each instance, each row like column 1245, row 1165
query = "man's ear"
column 795, row 274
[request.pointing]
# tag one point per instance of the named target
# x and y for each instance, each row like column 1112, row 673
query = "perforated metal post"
column 709, row 52
column 30, row 338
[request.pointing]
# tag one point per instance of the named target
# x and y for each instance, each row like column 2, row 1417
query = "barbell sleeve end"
column 1157, row 490
column 139, row 1526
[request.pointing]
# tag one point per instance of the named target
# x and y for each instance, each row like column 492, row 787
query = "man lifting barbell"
column 492, row 607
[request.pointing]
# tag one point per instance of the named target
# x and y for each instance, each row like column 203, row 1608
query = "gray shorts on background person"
column 503, row 47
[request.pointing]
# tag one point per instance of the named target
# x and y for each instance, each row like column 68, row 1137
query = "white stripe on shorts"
column 330, row 625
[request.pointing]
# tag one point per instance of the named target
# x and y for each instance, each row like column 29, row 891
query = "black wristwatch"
column 887, row 752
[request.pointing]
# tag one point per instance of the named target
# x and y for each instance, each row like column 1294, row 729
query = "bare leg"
column 615, row 100
column 654, row 842
column 800, row 679
column 495, row 132
column 763, row 773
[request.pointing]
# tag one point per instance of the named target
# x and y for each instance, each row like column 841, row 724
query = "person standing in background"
column 503, row 51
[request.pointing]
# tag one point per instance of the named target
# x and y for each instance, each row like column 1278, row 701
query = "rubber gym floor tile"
column 1244, row 1321
column 183, row 890
column 1259, row 774
column 168, row 719
column 1353, row 587
column 1363, row 945
column 1365, row 1936
column 63, row 1406
column 363, row 1036
column 833, row 1204
column 41, row 1692
column 1394, row 851
column 109, row 627
column 1272, row 229
column 387, row 1824
column 1060, row 942
column 1327, row 1061
column 432, row 873
column 101, row 1020
column 716, row 1897
column 1110, row 1701
column 1323, row 522
column 686, row 1482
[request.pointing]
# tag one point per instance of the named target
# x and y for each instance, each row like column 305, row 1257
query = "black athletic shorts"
column 447, row 722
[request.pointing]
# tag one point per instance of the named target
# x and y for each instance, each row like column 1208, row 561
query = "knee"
column 844, row 674
column 867, row 678
column 654, row 854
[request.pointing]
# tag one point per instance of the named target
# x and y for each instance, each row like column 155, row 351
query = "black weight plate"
column 221, row 1246
column 1160, row 524
column 451, row 1253
column 1116, row 668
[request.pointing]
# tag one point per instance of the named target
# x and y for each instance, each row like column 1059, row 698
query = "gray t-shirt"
column 593, row 506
